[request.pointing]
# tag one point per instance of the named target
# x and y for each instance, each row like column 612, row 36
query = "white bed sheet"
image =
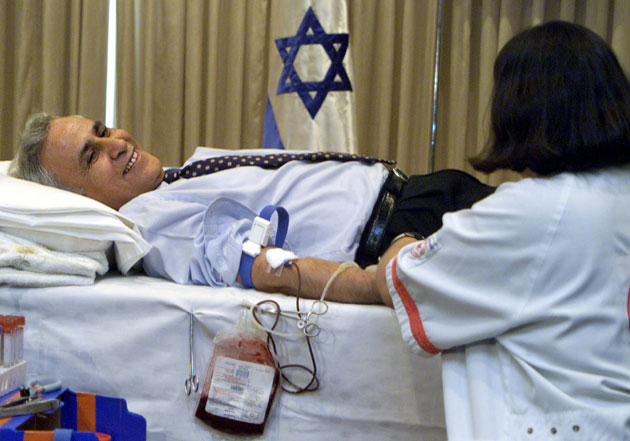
column 127, row 336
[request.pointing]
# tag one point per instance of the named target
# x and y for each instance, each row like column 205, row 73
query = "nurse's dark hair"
column 561, row 102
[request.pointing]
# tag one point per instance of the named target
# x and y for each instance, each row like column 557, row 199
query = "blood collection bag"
column 241, row 381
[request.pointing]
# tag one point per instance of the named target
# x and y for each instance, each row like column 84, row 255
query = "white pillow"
column 65, row 221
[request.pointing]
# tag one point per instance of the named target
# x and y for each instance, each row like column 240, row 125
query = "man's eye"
column 92, row 157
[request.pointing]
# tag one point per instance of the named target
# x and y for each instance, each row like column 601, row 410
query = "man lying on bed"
column 197, row 226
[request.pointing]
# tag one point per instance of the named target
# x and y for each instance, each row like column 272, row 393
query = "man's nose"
column 114, row 147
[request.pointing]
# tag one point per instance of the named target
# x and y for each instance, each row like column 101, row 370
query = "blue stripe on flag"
column 271, row 135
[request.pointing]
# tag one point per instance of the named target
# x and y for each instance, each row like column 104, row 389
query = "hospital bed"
column 129, row 335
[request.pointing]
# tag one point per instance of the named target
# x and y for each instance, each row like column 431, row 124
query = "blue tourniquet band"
column 247, row 261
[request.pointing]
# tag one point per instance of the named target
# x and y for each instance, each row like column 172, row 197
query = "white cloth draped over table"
column 127, row 336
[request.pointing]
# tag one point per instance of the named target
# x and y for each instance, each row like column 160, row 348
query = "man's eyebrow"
column 96, row 126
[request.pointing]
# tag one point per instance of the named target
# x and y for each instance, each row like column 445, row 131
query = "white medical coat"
column 526, row 295
column 197, row 226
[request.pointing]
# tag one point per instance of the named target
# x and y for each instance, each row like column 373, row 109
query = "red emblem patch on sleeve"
column 420, row 250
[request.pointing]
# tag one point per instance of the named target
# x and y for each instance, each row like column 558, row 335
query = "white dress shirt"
column 197, row 226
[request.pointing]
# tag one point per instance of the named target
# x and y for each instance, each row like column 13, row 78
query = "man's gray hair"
column 26, row 163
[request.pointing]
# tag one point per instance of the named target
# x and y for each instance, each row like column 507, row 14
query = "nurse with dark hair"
column 526, row 294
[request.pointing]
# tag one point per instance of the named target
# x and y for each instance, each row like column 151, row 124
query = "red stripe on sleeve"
column 415, row 322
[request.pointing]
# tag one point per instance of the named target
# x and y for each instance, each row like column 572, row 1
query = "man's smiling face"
column 107, row 165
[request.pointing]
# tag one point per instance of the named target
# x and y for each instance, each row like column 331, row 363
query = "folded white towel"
column 26, row 263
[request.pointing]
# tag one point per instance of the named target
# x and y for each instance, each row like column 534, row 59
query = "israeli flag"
column 310, row 104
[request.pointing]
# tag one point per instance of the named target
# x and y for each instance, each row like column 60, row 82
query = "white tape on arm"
column 277, row 257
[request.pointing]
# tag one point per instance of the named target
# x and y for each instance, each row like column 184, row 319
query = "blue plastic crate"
column 81, row 417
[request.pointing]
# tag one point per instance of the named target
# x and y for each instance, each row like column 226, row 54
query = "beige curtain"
column 393, row 51
column 192, row 72
column 473, row 33
column 53, row 56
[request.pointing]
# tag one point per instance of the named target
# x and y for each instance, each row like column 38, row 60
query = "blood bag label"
column 240, row 390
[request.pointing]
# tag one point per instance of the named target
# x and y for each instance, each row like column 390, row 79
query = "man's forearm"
column 353, row 285
column 381, row 280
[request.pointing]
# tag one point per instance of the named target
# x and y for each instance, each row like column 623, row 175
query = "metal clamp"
column 192, row 382
column 25, row 407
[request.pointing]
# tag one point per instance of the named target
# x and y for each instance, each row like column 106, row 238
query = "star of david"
column 313, row 93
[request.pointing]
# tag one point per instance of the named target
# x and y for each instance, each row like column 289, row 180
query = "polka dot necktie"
column 212, row 165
